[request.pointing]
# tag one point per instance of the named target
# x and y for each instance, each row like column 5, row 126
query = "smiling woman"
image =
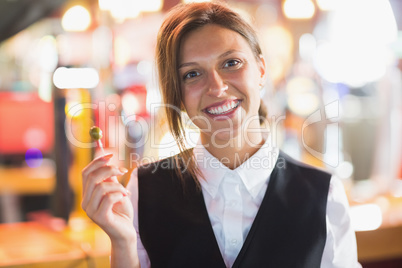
column 234, row 200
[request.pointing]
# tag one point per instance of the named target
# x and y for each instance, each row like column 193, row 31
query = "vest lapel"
column 211, row 230
column 254, row 226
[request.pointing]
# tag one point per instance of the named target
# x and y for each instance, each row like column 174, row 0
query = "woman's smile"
column 225, row 108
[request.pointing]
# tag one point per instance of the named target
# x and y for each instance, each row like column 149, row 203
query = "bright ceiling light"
column 76, row 19
column 298, row 9
column 357, row 50
column 68, row 78
column 121, row 10
column 125, row 9
column 151, row 5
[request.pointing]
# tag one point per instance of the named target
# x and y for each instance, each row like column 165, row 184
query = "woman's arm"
column 124, row 253
column 340, row 247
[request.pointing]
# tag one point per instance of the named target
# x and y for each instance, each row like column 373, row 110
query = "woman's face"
column 220, row 79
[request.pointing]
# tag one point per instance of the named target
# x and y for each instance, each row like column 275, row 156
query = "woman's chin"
column 221, row 137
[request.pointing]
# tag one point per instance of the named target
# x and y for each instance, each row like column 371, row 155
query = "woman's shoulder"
column 155, row 167
column 164, row 166
column 286, row 161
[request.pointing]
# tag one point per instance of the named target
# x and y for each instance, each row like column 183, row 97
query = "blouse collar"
column 254, row 172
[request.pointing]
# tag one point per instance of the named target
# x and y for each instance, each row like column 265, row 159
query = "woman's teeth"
column 223, row 109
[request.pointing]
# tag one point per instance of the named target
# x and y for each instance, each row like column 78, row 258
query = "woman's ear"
column 262, row 68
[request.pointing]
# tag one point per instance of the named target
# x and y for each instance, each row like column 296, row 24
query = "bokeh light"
column 366, row 217
column 356, row 50
column 33, row 157
column 68, row 78
column 298, row 9
column 76, row 19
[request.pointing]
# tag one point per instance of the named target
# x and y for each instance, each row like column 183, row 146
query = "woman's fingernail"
column 123, row 170
column 107, row 157
column 128, row 192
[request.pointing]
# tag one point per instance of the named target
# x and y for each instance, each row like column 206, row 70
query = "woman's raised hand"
column 106, row 201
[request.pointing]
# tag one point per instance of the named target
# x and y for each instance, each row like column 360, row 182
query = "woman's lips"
column 222, row 109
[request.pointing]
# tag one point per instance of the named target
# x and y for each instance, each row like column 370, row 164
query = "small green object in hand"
column 96, row 133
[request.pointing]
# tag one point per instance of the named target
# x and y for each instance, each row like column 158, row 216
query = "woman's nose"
column 216, row 86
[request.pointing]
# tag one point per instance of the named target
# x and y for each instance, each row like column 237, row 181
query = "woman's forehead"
column 209, row 40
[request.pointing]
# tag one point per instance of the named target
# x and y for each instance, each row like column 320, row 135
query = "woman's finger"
column 103, row 173
column 95, row 164
column 106, row 206
column 102, row 189
column 97, row 176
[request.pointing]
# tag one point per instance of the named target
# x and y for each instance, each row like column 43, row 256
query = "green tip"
column 96, row 133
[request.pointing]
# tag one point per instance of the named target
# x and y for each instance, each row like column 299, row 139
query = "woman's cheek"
column 192, row 98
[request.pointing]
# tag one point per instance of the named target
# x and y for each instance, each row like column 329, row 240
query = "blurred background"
column 334, row 99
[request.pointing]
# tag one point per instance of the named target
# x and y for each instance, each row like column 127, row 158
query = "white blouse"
column 233, row 197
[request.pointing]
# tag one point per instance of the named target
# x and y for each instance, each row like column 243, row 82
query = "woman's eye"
column 232, row 63
column 190, row 75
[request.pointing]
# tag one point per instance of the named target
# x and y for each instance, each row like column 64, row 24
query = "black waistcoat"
column 289, row 229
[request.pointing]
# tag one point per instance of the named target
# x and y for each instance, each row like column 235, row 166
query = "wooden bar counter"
column 380, row 245
column 81, row 244
column 33, row 245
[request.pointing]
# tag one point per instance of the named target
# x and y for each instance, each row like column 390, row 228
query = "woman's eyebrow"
column 220, row 56
column 187, row 64
column 228, row 53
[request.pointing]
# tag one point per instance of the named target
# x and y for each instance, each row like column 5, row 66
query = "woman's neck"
column 232, row 153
